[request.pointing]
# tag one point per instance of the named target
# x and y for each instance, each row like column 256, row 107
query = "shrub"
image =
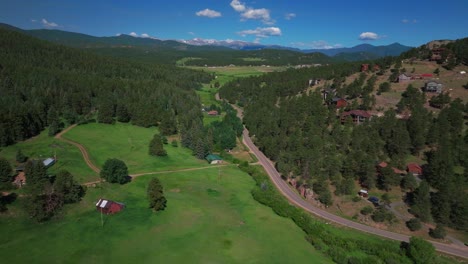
column 367, row 210
column 414, row 224
column 438, row 232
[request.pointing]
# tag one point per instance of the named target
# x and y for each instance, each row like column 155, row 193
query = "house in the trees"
column 415, row 169
column 363, row 193
column 384, row 164
column 214, row 159
column 358, row 116
column 339, row 102
column 109, row 207
column 404, row 78
column 313, row 82
column 437, row 54
column 328, row 92
column 213, row 113
column 364, row 67
column 20, row 179
column 433, row 87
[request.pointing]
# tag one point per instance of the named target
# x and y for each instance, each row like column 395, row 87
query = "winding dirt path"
column 82, row 149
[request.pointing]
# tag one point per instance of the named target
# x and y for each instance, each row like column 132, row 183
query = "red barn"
column 109, row 207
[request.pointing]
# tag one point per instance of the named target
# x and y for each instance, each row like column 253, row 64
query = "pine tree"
column 67, row 188
column 6, row 173
column 155, row 193
column 106, row 112
column 421, row 204
column 36, row 177
column 122, row 114
column 156, row 147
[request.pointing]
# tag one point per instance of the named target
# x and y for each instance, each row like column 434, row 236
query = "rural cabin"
column 404, row 78
column 20, row 179
column 109, row 207
column 214, row 159
column 384, row 164
column 363, row 193
column 213, row 113
column 339, row 102
column 433, row 87
column 415, row 169
column 313, row 82
column 358, row 116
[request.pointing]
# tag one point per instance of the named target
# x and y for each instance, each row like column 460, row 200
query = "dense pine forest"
column 48, row 85
column 311, row 145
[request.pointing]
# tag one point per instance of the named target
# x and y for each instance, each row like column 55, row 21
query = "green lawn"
column 208, row 220
column 130, row 144
column 43, row 146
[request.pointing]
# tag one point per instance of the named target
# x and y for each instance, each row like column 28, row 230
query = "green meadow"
column 210, row 217
column 130, row 144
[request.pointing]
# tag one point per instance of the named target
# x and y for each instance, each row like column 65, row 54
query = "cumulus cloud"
column 208, row 13
column 133, row 34
column 289, row 16
column 238, row 6
column 144, row 35
column 262, row 14
column 46, row 23
column 368, row 36
column 261, row 32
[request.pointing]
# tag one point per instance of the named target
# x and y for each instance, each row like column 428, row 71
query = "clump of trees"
column 114, row 171
column 156, row 147
column 6, row 173
column 155, row 194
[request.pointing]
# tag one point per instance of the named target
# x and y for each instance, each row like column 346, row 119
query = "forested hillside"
column 48, row 85
column 313, row 143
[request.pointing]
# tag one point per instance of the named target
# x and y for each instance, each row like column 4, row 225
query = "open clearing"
column 209, row 219
column 130, row 144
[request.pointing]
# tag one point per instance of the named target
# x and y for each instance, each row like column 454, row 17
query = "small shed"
column 433, row 87
column 213, row 113
column 214, row 159
column 48, row 162
column 109, row 207
column 363, row 193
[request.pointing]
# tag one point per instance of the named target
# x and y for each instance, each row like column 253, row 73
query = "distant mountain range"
column 172, row 50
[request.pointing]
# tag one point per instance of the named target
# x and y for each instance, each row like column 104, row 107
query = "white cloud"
column 191, row 33
column 368, row 36
column 238, row 6
column 33, row 20
column 261, row 32
column 317, row 44
column 46, row 23
column 133, row 34
column 409, row 21
column 289, row 16
column 208, row 13
column 144, row 35
column 262, row 14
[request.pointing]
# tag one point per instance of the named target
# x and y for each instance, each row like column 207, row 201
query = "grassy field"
column 43, row 146
column 130, row 144
column 228, row 73
column 209, row 219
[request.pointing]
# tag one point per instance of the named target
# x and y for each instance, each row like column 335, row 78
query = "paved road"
column 296, row 199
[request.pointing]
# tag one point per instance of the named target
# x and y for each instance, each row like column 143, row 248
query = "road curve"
column 296, row 199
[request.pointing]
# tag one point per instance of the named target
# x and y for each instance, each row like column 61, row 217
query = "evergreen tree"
column 114, row 171
column 421, row 203
column 414, row 224
column 67, row 188
column 106, row 112
column 36, row 177
column 156, row 147
column 438, row 232
column 409, row 182
column 20, row 157
column 155, row 193
column 6, row 173
column 122, row 114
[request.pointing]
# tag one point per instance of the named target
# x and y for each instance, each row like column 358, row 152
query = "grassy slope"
column 208, row 220
column 130, row 144
column 43, row 146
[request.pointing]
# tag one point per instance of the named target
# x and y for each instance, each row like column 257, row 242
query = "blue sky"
column 297, row 23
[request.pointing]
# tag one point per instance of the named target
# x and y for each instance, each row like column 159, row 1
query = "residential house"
column 213, row 113
column 433, row 87
column 404, row 78
column 415, row 169
column 313, row 82
column 364, row 67
column 328, row 92
column 384, row 164
column 358, row 116
column 339, row 102
column 109, row 207
column 437, row 54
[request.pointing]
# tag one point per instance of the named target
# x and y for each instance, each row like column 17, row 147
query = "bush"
column 367, row 210
column 382, row 214
column 115, row 171
column 414, row 224
column 438, row 232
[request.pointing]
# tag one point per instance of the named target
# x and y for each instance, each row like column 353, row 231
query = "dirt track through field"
column 91, row 165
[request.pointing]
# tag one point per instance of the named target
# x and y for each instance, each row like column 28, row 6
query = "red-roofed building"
column 358, row 116
column 414, row 168
column 364, row 67
column 213, row 113
column 339, row 102
column 109, row 207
